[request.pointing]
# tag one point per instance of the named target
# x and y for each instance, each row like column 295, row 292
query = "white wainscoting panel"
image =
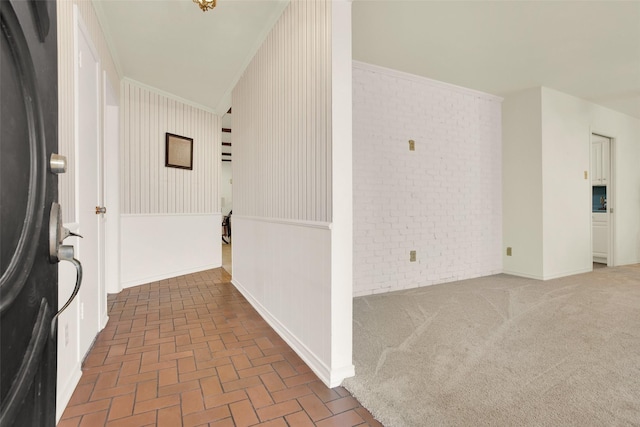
column 157, row 246
column 146, row 185
column 283, row 268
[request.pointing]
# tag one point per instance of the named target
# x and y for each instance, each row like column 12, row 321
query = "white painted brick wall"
column 443, row 200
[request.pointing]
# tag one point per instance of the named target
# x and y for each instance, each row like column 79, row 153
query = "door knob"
column 101, row 210
column 57, row 163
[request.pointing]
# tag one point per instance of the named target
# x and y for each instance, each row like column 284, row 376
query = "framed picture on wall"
column 178, row 152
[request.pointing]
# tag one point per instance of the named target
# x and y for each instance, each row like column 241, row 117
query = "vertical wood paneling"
column 282, row 121
column 66, row 97
column 147, row 185
column 66, row 132
column 133, row 159
column 124, row 178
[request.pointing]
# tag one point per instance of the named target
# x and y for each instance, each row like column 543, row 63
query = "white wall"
column 291, row 242
column 70, row 354
column 562, row 240
column 566, row 192
column 567, row 126
column 522, row 183
column 166, row 201
column 443, row 200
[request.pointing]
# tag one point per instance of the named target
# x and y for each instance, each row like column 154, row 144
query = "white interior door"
column 92, row 296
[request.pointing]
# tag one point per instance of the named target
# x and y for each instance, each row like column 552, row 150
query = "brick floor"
column 191, row 351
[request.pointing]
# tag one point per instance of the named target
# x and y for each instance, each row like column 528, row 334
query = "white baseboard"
column 331, row 378
column 526, row 276
column 549, row 277
column 63, row 395
column 339, row 374
column 569, row 273
column 168, row 275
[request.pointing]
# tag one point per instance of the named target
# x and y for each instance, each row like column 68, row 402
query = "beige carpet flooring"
column 502, row 351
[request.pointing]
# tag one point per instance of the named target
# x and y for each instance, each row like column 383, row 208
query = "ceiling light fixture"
column 205, row 4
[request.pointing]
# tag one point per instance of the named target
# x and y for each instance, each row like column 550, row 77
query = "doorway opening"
column 226, row 192
column 602, row 200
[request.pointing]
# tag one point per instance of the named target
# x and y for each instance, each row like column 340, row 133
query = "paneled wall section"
column 282, row 120
column 147, row 186
column 443, row 200
column 66, row 98
column 285, row 211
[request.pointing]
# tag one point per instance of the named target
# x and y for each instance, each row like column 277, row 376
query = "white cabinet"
column 600, row 223
column 600, row 161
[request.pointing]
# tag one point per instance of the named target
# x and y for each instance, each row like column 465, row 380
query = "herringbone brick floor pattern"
column 191, row 351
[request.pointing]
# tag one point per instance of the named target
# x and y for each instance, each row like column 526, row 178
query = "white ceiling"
column 590, row 49
column 175, row 47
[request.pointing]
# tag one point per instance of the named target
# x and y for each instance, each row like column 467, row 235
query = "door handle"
column 57, row 234
column 59, row 252
column 101, row 210
column 76, row 289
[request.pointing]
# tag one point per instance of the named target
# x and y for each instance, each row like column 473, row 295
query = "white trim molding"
column 294, row 222
column 168, row 95
column 424, row 80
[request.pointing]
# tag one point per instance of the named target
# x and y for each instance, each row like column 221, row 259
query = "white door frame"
column 111, row 187
column 89, row 322
column 611, row 198
column 611, row 195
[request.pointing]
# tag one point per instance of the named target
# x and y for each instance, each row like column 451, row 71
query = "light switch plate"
column 412, row 145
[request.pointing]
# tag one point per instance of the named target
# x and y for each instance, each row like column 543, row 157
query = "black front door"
column 28, row 280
